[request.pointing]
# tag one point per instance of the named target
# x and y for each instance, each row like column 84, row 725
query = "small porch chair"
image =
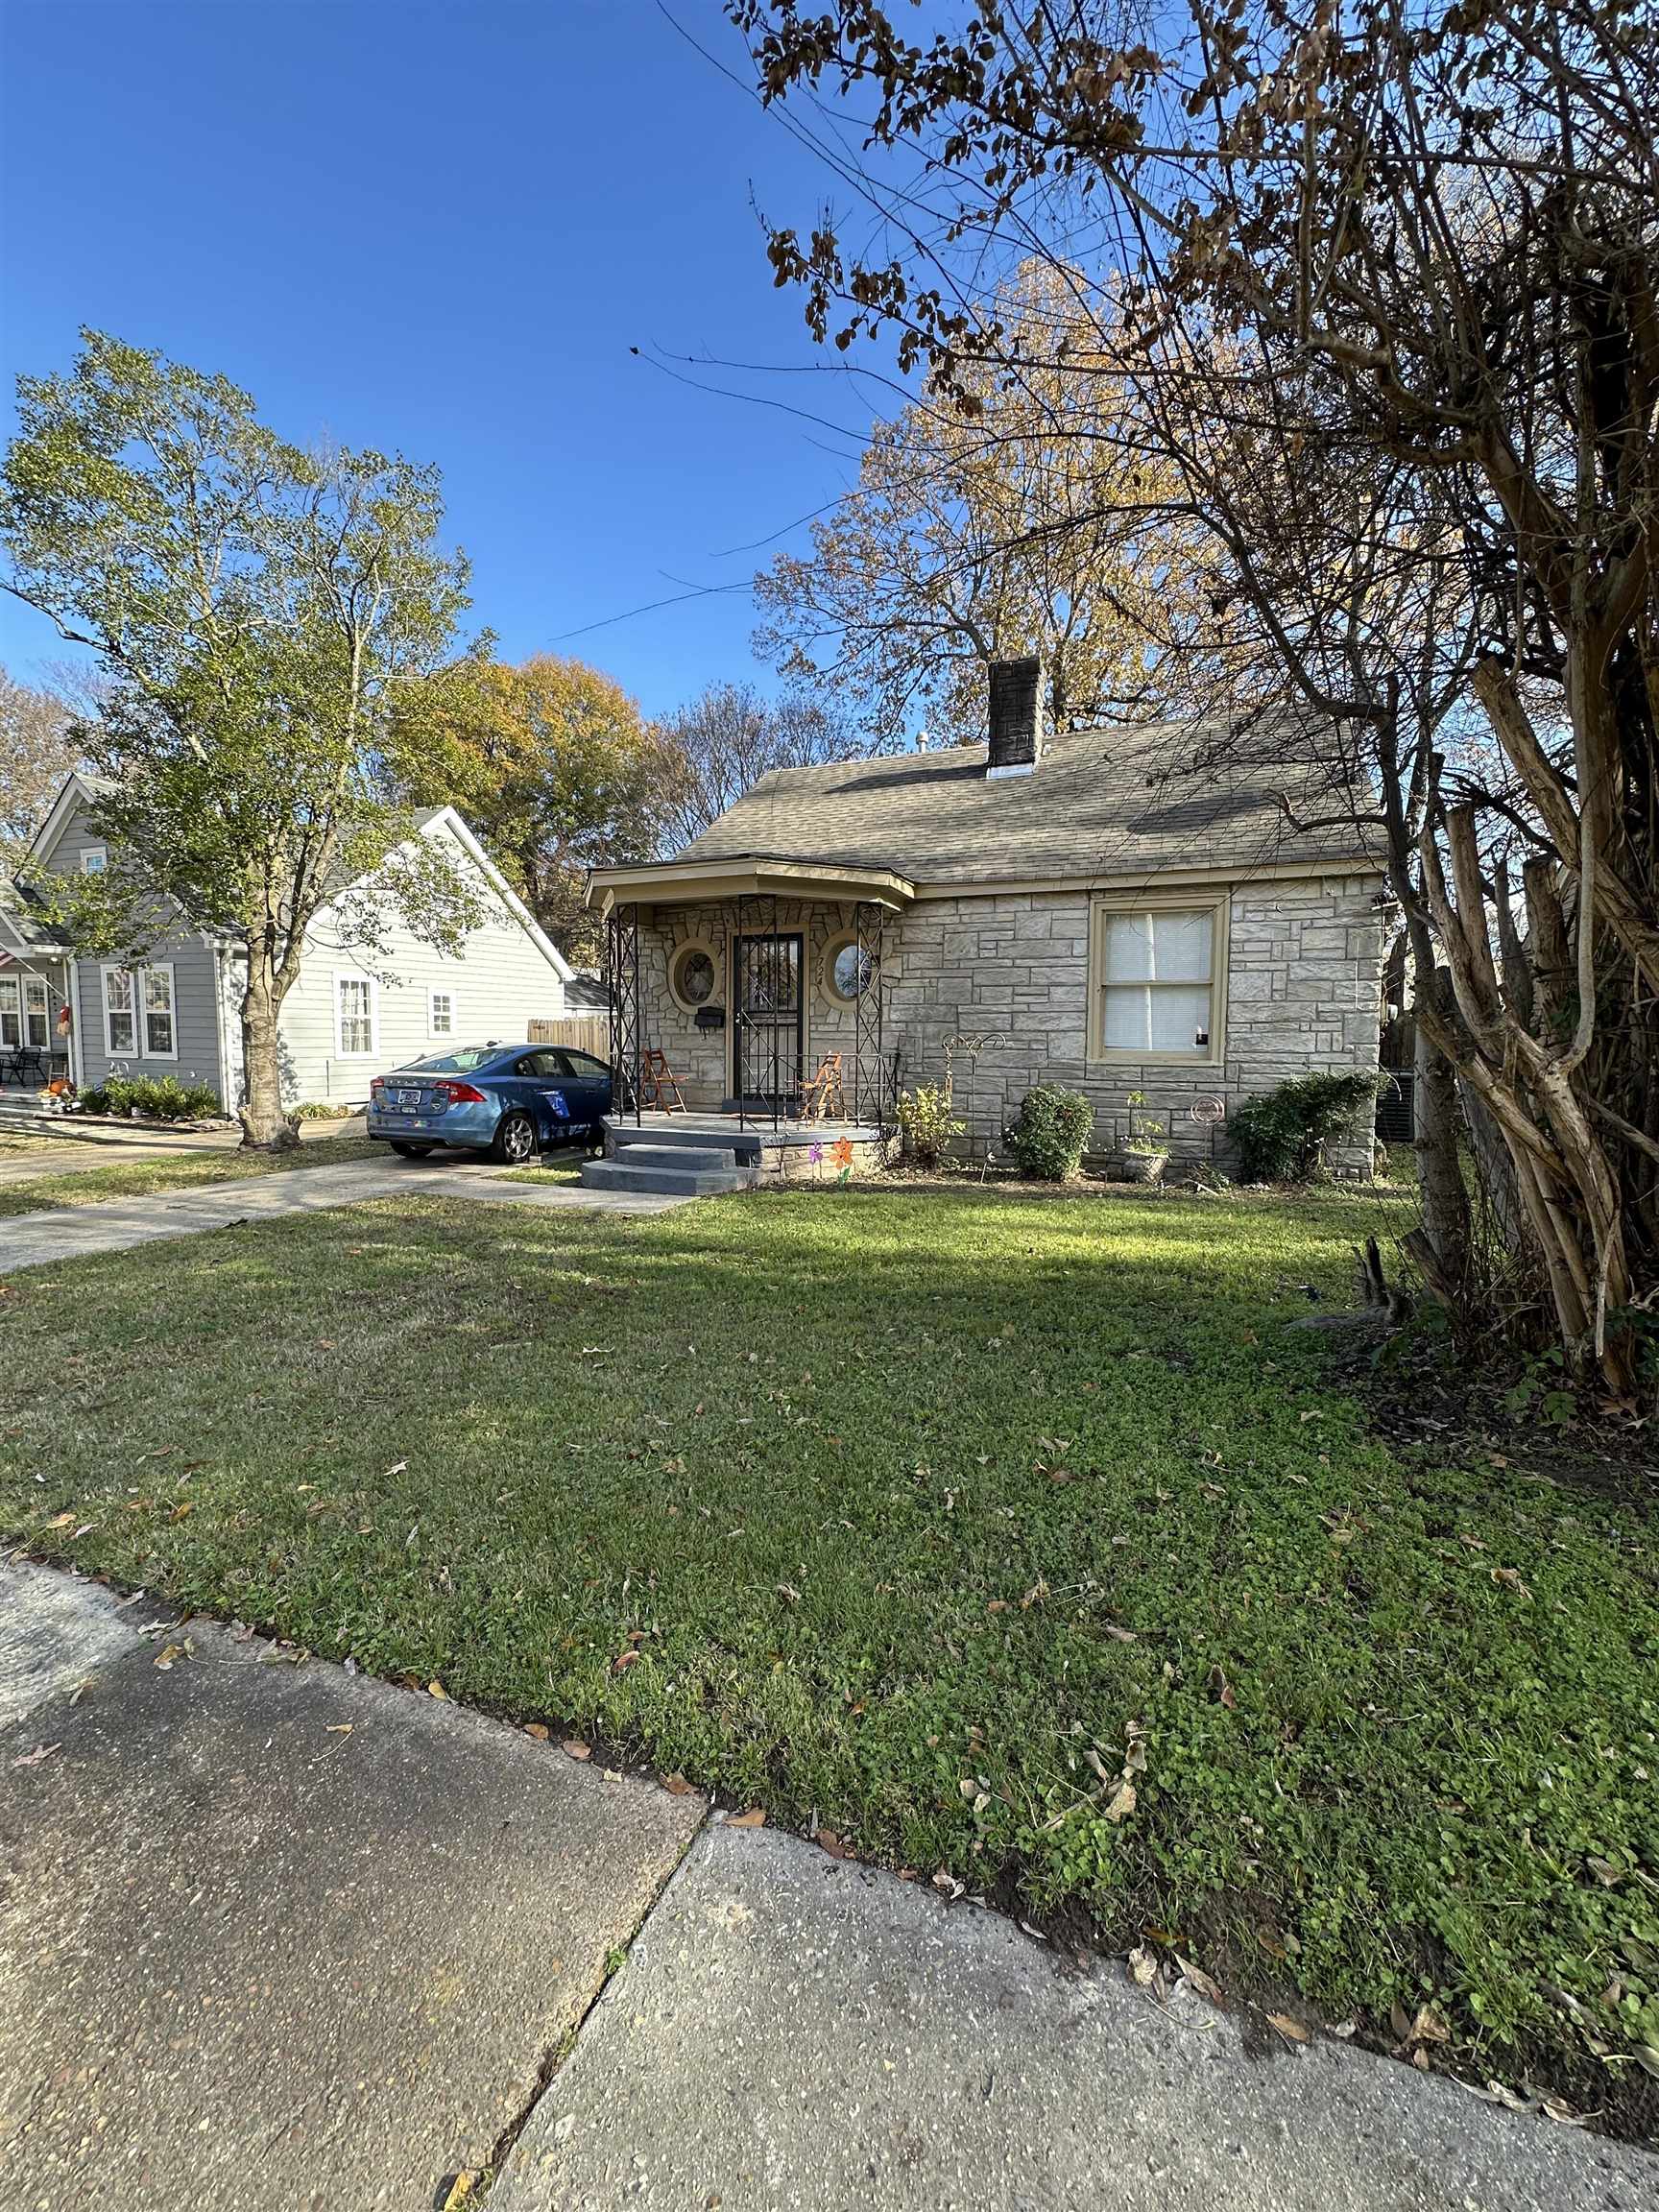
column 817, row 1095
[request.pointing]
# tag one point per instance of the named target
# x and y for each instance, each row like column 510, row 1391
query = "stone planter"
column 1143, row 1166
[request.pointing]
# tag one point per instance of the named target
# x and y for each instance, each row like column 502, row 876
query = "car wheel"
column 411, row 1151
column 514, row 1140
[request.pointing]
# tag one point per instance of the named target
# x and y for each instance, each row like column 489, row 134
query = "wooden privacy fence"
column 587, row 1032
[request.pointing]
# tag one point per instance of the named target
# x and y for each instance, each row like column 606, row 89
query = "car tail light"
column 462, row 1094
column 377, row 1084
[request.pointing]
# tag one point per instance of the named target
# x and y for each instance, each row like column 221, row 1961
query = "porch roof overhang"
column 747, row 875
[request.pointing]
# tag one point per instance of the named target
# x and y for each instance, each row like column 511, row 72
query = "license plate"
column 409, row 1100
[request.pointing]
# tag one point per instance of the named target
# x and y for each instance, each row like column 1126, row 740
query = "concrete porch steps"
column 693, row 1136
column 674, row 1181
column 690, row 1162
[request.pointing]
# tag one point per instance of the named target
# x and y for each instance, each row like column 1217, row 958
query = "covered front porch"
column 756, row 992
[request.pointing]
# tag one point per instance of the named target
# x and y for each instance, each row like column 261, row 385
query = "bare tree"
column 1010, row 513
column 38, row 749
column 723, row 741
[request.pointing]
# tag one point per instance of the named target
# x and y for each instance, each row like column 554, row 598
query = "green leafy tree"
column 251, row 607
column 550, row 762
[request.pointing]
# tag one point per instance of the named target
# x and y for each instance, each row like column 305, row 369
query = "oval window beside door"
column 691, row 975
column 846, row 970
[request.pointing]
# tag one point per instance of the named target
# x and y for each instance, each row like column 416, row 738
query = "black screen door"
column 767, row 1040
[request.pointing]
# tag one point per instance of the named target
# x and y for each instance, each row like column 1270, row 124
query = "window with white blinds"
column 1157, row 981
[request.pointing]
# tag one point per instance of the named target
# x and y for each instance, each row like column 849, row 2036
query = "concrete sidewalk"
column 279, row 1938
column 114, row 1224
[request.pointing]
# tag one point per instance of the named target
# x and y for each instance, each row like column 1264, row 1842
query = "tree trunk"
column 266, row 1123
column 1440, row 1173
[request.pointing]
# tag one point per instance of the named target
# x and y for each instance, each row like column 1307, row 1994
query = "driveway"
column 274, row 1936
column 72, row 1233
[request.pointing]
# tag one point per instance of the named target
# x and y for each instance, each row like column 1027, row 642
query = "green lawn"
column 927, row 1514
column 175, row 1172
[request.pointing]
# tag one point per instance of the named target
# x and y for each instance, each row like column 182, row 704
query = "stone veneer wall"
column 1303, row 967
column 701, row 1059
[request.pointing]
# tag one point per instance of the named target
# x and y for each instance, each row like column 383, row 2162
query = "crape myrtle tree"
column 253, row 609
column 1450, row 217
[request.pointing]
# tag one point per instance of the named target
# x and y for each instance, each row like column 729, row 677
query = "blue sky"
column 439, row 229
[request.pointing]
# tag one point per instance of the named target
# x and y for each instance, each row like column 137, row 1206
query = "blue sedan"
column 510, row 1100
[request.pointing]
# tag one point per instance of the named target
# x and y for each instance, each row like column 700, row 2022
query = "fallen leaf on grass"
column 437, row 1690
column 827, row 1839
column 1122, row 1803
column 575, row 1748
column 755, row 1817
column 624, row 1660
column 535, row 1729
column 179, row 1511
column 61, row 1521
column 677, row 1786
column 397, row 1467
column 1142, row 1965
column 1509, row 1578
column 1221, row 1690
column 1291, row 2029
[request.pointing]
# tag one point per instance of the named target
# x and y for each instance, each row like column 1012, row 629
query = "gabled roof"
column 81, row 789
column 435, row 818
column 1110, row 802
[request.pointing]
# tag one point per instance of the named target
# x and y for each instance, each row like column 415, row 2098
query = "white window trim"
column 140, row 984
column 94, row 852
column 345, row 975
column 1217, row 904
column 40, row 1013
column 112, row 1050
column 435, row 1035
column 15, row 980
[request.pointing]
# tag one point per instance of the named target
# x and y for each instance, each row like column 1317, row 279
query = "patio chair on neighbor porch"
column 824, row 1090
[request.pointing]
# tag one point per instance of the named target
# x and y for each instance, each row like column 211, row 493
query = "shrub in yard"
column 320, row 1109
column 1280, row 1134
column 162, row 1100
column 1052, row 1128
column 927, row 1123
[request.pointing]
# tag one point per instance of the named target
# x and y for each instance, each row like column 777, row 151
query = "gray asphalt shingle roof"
column 1152, row 795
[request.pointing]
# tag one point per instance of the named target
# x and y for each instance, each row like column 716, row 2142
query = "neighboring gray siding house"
column 348, row 1019
column 1169, row 910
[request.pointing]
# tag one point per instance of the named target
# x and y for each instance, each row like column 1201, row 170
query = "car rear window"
column 461, row 1061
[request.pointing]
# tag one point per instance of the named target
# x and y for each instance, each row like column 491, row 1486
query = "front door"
column 768, row 1036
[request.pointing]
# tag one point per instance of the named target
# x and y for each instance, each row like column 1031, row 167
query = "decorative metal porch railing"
column 622, row 996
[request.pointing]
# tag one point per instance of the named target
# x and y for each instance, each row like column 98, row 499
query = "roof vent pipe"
column 1014, row 728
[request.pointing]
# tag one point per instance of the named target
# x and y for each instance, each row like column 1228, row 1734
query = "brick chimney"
column 1014, row 730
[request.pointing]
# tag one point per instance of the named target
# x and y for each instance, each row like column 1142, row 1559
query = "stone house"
column 1180, row 912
